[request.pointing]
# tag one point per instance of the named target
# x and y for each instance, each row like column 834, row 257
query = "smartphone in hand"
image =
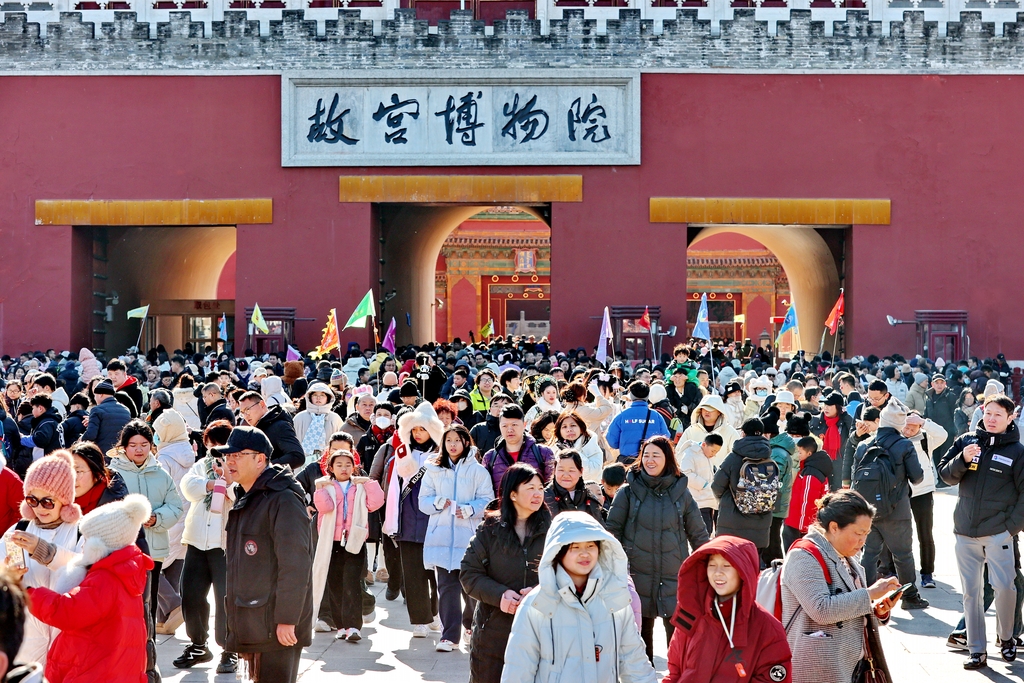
column 16, row 556
column 891, row 597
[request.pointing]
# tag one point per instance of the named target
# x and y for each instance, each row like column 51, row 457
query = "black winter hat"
column 639, row 390
column 797, row 426
column 408, row 389
column 104, row 387
column 834, row 398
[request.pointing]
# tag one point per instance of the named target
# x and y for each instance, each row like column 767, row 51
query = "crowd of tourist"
column 517, row 498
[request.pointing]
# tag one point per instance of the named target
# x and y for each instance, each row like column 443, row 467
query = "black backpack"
column 875, row 477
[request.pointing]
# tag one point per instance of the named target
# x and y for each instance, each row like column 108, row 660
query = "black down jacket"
column 654, row 518
column 732, row 522
column 496, row 562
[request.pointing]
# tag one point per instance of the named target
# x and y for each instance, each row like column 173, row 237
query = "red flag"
column 645, row 321
column 836, row 316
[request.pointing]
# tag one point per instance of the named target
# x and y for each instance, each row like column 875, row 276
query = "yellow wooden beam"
column 766, row 211
column 462, row 189
column 154, row 212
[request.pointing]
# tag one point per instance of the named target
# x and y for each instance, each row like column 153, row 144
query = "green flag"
column 140, row 312
column 363, row 310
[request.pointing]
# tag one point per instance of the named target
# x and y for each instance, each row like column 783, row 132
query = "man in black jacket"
column 989, row 467
column 269, row 585
column 940, row 407
column 894, row 528
column 216, row 405
column 487, row 431
column 278, row 427
column 123, row 382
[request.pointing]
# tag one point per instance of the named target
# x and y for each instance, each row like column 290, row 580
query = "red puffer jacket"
column 809, row 486
column 102, row 623
column 700, row 651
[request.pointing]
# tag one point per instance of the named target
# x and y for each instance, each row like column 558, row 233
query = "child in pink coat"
column 343, row 501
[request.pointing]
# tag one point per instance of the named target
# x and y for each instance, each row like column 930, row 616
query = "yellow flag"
column 140, row 312
column 488, row 329
column 257, row 320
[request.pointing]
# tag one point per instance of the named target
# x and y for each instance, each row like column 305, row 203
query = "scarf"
column 210, row 476
column 831, row 440
column 382, row 435
column 91, row 498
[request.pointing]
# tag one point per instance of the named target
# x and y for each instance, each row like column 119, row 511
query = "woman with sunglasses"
column 44, row 540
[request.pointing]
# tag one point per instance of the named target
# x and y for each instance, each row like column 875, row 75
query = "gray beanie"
column 894, row 414
column 920, row 377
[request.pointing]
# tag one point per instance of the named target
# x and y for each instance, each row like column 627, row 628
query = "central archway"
column 809, row 265
column 412, row 236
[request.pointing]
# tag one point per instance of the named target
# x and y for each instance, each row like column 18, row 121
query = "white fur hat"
column 113, row 526
column 424, row 416
column 658, row 393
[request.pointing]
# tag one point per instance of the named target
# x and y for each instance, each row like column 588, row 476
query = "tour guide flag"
column 702, row 328
column 363, row 311
column 222, row 327
column 140, row 312
column 645, row 320
column 330, row 339
column 488, row 329
column 389, row 337
column 606, row 335
column 788, row 323
column 257, row 320
column 836, row 316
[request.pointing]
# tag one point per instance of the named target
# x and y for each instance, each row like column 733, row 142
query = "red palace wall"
column 945, row 150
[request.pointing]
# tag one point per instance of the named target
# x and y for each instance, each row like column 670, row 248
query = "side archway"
column 810, row 268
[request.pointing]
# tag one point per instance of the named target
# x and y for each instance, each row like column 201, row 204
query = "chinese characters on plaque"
column 552, row 121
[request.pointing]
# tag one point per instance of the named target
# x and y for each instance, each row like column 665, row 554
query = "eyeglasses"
column 47, row 503
column 245, row 411
column 237, row 454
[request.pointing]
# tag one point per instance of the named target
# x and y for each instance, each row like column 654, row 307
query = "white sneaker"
column 444, row 646
column 420, row 631
column 322, row 627
column 435, row 625
column 354, row 635
column 342, row 634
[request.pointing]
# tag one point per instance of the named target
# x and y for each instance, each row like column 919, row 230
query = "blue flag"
column 701, row 329
column 788, row 323
column 222, row 327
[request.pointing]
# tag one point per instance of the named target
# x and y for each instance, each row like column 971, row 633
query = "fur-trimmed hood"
column 170, row 427
column 273, row 391
column 423, row 416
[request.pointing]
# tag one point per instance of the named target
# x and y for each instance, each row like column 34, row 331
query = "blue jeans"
column 454, row 618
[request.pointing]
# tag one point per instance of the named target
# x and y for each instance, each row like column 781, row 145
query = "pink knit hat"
column 54, row 474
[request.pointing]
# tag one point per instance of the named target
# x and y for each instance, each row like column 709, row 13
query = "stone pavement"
column 914, row 641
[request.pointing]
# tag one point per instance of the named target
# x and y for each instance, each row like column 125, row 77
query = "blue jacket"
column 628, row 426
column 106, row 421
column 467, row 484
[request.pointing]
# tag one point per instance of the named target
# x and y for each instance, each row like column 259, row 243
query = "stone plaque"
column 464, row 118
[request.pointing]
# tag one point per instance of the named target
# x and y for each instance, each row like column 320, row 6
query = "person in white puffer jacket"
column 175, row 454
column 696, row 462
column 577, row 625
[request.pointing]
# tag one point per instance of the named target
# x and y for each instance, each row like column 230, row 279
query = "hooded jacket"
column 90, row 366
column 47, row 433
column 332, row 421
column 917, row 398
column 655, row 518
column 152, row 481
column 628, row 426
column 485, row 433
column 403, row 515
column 218, row 410
column 204, row 529
column 931, row 436
column 991, row 498
column 588, row 445
column 809, row 486
column 131, row 388
column 188, row 406
column 699, row 473
column 467, row 486
column 106, row 420
column 732, row 522
column 269, row 564
column 277, row 425
column 74, row 426
column 699, row 651
column 697, row 431
column 580, row 499
column 175, row 454
column 558, row 634
column 495, row 562
column 103, row 626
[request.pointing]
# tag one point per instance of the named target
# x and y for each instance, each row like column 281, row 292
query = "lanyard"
column 732, row 624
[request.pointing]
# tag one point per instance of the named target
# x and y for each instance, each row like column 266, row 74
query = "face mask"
column 761, row 392
column 383, row 422
column 462, row 406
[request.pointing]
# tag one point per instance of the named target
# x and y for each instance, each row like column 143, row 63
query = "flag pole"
column 141, row 328
column 835, row 345
column 821, row 346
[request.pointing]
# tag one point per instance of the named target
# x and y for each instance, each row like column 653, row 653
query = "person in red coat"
column 11, row 495
column 98, row 606
column 809, row 486
column 722, row 635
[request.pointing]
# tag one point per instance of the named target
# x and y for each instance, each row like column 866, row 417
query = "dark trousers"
column 897, row 535
column 343, row 587
column 647, row 633
column 280, row 666
column 420, row 584
column 450, row 597
column 710, row 516
column 170, row 599
column 790, row 535
column 393, row 562
column 774, row 549
column 923, row 507
column 154, row 588
column 202, row 570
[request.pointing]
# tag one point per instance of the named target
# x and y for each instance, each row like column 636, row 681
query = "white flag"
column 606, row 335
